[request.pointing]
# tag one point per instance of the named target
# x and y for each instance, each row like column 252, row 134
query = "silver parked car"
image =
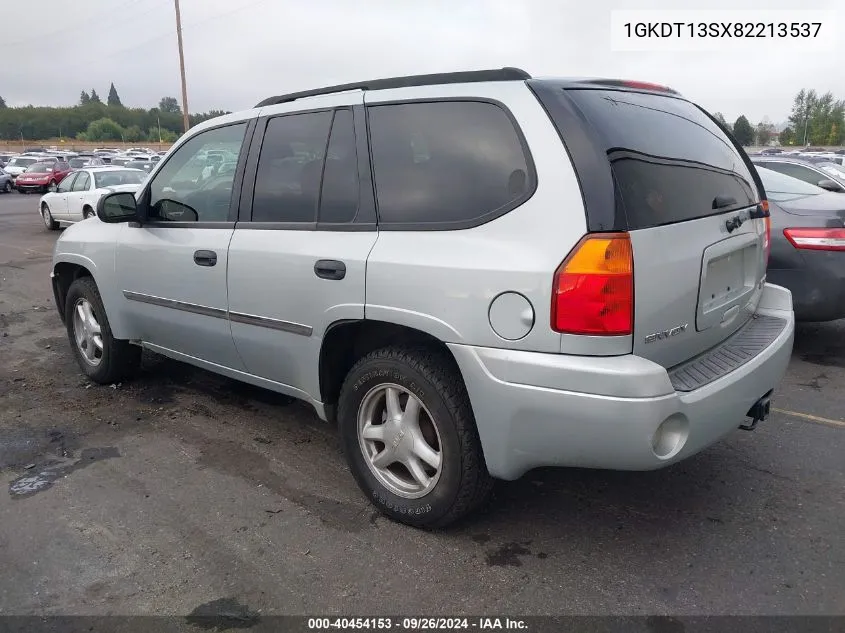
column 473, row 274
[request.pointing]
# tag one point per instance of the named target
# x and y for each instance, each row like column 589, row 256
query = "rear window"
column 670, row 161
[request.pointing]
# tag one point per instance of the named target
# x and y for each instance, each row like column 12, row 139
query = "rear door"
column 298, row 256
column 688, row 199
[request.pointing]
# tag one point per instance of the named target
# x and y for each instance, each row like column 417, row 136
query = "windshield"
column 781, row 187
column 22, row 162
column 40, row 168
column 118, row 177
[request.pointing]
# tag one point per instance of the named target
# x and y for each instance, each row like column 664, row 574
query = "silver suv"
column 473, row 274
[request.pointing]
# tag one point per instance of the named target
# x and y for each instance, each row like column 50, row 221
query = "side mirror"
column 114, row 208
column 831, row 185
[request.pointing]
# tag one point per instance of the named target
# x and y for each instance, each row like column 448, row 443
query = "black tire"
column 120, row 359
column 464, row 483
column 87, row 212
column 7, row 188
column 47, row 217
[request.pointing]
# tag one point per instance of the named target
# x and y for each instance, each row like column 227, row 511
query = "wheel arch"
column 347, row 341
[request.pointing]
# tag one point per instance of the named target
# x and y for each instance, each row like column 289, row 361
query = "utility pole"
column 182, row 66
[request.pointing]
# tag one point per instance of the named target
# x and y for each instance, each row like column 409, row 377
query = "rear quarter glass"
column 669, row 160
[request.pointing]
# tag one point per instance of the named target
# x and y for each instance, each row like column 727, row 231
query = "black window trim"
column 237, row 182
column 530, row 177
column 366, row 199
column 603, row 208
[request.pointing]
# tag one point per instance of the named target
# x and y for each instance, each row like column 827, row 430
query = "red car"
column 45, row 175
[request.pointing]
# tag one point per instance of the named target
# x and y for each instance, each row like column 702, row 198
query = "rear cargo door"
column 689, row 203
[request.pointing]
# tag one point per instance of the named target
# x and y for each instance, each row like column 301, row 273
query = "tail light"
column 593, row 291
column 764, row 207
column 819, row 239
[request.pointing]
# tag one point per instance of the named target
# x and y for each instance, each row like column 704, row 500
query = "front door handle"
column 205, row 258
column 330, row 269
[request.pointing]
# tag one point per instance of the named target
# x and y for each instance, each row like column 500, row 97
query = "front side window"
column 290, row 165
column 82, row 182
column 446, row 162
column 67, row 183
column 186, row 190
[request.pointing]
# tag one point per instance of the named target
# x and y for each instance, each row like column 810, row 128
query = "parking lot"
column 183, row 489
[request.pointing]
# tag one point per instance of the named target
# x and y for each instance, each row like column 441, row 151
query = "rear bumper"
column 619, row 413
column 818, row 288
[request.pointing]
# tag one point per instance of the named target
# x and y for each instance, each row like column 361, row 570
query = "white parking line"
column 813, row 418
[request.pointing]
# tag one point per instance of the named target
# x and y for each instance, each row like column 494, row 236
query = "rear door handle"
column 330, row 269
column 205, row 258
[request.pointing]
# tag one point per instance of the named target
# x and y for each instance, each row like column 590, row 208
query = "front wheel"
column 103, row 358
column 51, row 187
column 49, row 222
column 7, row 188
column 410, row 438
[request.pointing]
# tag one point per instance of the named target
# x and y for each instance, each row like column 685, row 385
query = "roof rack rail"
column 468, row 76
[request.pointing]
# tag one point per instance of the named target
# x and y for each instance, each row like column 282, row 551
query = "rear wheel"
column 7, row 188
column 49, row 222
column 103, row 358
column 87, row 212
column 410, row 438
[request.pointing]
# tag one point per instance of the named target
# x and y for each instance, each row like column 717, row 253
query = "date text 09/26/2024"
column 416, row 624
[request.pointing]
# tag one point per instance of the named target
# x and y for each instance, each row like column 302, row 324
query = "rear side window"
column 446, row 163
column 670, row 161
column 287, row 185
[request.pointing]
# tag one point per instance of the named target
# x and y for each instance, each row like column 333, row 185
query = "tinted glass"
column 287, row 185
column 187, row 189
column 112, row 178
column 339, row 196
column 40, row 168
column 67, row 183
column 669, row 160
column 76, row 163
column 797, row 171
column 779, row 186
column 22, row 162
column 82, row 182
column 446, row 161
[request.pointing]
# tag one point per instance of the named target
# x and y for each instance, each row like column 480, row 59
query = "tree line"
column 814, row 120
column 93, row 120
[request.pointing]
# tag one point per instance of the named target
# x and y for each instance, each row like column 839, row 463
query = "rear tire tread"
column 476, row 483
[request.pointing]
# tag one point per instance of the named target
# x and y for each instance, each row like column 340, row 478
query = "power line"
column 75, row 27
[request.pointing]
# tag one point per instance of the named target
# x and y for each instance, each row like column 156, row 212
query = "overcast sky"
column 240, row 51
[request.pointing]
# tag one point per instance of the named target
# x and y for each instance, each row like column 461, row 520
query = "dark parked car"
column 807, row 245
column 6, row 185
column 812, row 172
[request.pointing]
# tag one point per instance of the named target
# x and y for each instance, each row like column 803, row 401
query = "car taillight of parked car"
column 816, row 239
column 593, row 291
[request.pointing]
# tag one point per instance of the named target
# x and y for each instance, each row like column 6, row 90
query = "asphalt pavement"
column 182, row 489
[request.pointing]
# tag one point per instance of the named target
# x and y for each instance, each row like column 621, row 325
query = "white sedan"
column 76, row 197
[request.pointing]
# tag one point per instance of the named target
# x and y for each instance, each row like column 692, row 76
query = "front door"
column 58, row 200
column 298, row 256
column 173, row 267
